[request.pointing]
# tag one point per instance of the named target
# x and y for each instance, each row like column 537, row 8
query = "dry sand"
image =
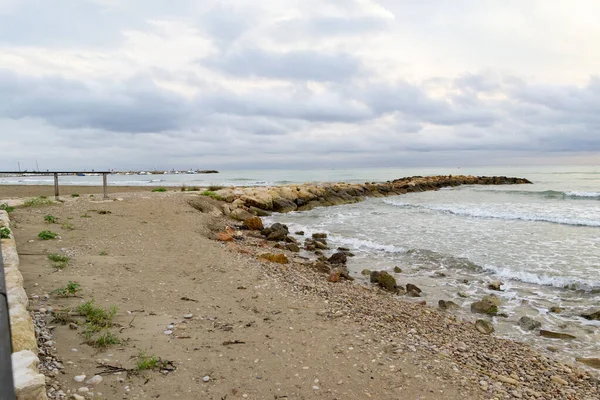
column 152, row 256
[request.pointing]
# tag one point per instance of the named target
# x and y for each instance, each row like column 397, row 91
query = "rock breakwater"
column 307, row 196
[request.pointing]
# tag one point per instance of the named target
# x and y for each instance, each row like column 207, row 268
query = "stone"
column 83, row 389
column 95, row 380
column 555, row 309
column 386, row 281
column 448, row 305
column 374, row 276
column 239, row 214
column 365, row 272
column 590, row 362
column 594, row 316
column 557, row 379
column 506, row 379
column 293, row 247
column 276, row 258
column 338, row 258
column 322, row 267
column 225, row 237
column 284, row 205
column 277, row 236
column 28, row 381
column 556, row 335
column 487, row 305
column 462, row 294
column 254, row 224
column 73, row 326
column 484, row 326
column 320, row 245
column 206, row 378
column 495, row 285
column 397, row 270
column 529, row 324
column 412, row 288
column 319, row 236
column 493, row 299
column 75, row 396
column 299, row 233
column 413, row 293
column 79, row 378
column 188, row 316
column 334, row 276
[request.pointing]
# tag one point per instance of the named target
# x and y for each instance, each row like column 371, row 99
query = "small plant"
column 96, row 317
column 37, row 202
column 183, row 188
column 70, row 290
column 103, row 253
column 159, row 189
column 212, row 194
column 6, row 208
column 50, row 219
column 68, row 226
column 4, row 233
column 194, row 189
column 60, row 261
column 105, row 340
column 91, row 195
column 214, row 188
column 145, row 362
column 62, row 317
column 74, row 195
column 47, row 235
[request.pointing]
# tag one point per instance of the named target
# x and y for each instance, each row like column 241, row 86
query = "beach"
column 235, row 325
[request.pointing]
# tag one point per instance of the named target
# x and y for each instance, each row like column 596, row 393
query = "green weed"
column 50, row 219
column 145, row 362
column 103, row 253
column 47, row 235
column 159, row 189
column 70, row 290
column 212, row 194
column 74, row 195
column 60, row 261
column 37, row 202
column 4, row 233
column 68, row 226
column 96, row 316
column 103, row 341
column 6, row 208
column 214, row 188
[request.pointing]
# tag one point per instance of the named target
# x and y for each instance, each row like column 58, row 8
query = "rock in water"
column 397, row 270
column 529, row 324
column 276, row 236
column 319, row 236
column 293, row 247
column 484, row 326
column 254, row 223
column 595, row 316
column 448, row 305
column 385, row 281
column 338, row 258
column 365, row 272
column 495, row 285
column 322, row 267
column 412, row 288
column 590, row 362
column 556, row 335
column 374, row 276
column 485, row 306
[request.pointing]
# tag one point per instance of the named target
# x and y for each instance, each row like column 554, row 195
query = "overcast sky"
column 134, row 84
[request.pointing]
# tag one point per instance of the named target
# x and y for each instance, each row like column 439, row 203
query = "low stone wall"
column 257, row 200
column 30, row 384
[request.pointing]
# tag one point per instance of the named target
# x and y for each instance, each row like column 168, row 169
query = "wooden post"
column 105, row 186
column 55, row 186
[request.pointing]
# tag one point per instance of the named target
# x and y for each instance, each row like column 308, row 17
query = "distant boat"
column 191, row 172
column 80, row 174
column 143, row 173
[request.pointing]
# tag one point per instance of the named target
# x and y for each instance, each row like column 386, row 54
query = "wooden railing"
column 56, row 175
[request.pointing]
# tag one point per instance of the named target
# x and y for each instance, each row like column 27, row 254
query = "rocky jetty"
column 255, row 200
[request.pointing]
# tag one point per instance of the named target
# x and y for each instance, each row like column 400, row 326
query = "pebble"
column 96, row 379
column 83, row 389
column 79, row 378
column 206, row 378
column 168, row 332
column 188, row 316
column 170, row 327
column 75, row 396
column 559, row 380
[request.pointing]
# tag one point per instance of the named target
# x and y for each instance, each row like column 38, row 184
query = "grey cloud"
column 295, row 65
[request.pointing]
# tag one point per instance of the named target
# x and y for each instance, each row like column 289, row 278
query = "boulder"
column 495, row 285
column 397, row 270
column 225, row 237
column 259, row 212
column 277, row 258
column 293, row 247
column 374, row 276
column 529, row 324
column 412, row 288
column 413, row 293
column 322, row 267
column 276, row 236
column 284, row 205
column 334, row 276
column 556, row 335
column 386, row 281
column 299, row 233
column 484, row 326
column 365, row 272
column 253, row 224
column 239, row 214
column 320, row 245
column 338, row 258
column 594, row 316
column 319, row 236
column 448, row 305
column 485, row 306
column 590, row 362
column 493, row 299
column 555, row 309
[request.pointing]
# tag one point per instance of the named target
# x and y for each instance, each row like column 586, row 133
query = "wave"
column 364, row 244
column 563, row 282
column 508, row 216
column 549, row 194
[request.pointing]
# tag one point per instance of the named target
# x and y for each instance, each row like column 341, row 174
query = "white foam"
column 582, row 194
column 568, row 282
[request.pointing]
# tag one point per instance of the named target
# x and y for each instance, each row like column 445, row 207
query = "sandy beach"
column 233, row 325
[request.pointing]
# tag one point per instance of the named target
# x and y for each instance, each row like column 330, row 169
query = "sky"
column 141, row 84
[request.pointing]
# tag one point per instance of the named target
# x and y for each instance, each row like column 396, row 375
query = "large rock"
column 277, row 236
column 29, row 383
column 590, row 362
column 254, row 223
column 487, row 305
column 529, row 324
column 22, row 329
column 448, row 305
column 283, row 205
column 384, row 280
column 338, row 258
column 556, row 335
column 412, row 288
column 595, row 315
column 484, row 326
column 276, row 258
column 239, row 214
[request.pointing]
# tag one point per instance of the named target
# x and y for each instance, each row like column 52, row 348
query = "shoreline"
column 476, row 365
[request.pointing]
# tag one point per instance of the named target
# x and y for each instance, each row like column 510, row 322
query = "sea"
column 542, row 241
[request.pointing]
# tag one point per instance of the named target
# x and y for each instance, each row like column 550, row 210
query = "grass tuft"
column 37, row 202
column 50, row 219
column 145, row 362
column 95, row 316
column 74, row 195
column 105, row 340
column 212, row 194
column 70, row 290
column 4, row 233
column 47, row 235
column 159, row 189
column 6, row 208
column 68, row 226
column 60, row 261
